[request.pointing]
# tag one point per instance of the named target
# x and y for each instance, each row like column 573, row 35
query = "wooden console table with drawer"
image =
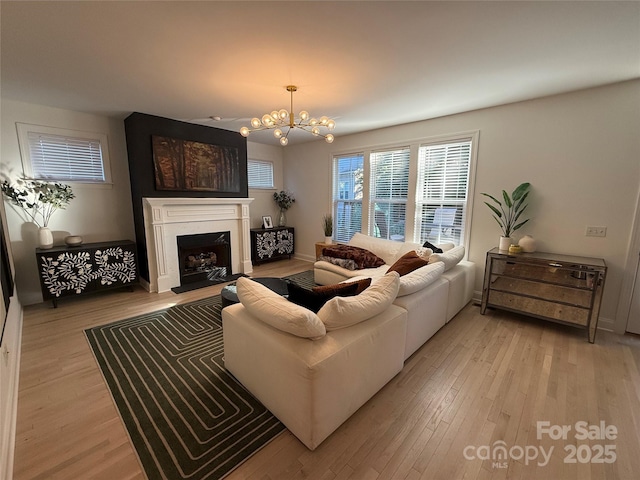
column 561, row 288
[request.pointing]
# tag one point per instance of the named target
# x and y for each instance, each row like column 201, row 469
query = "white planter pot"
column 328, row 240
column 45, row 237
column 505, row 243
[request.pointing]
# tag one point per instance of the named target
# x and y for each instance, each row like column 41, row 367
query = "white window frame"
column 443, row 204
column 376, row 230
column 412, row 227
column 265, row 163
column 25, row 152
column 335, row 197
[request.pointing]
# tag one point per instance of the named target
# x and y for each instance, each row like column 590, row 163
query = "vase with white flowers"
column 39, row 200
column 284, row 200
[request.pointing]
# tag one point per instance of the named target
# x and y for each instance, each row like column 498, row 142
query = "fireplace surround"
column 165, row 219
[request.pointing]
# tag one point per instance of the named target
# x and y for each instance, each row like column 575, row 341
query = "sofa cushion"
column 278, row 312
column 420, row 278
column 361, row 256
column 341, row 312
column 407, row 263
column 315, row 299
column 388, row 250
column 450, row 258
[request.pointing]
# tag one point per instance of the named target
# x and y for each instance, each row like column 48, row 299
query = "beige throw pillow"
column 341, row 312
column 278, row 312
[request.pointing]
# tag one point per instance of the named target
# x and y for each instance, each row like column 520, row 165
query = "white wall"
column 263, row 203
column 97, row 213
column 580, row 151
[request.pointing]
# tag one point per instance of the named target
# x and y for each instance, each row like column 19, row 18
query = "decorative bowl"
column 73, row 240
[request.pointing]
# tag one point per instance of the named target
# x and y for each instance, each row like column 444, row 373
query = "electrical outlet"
column 596, row 232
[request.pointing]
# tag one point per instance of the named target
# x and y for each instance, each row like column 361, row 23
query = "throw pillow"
column 432, row 247
column 363, row 258
column 314, row 299
column 359, row 286
column 450, row 258
column 278, row 312
column 341, row 312
column 409, row 262
column 341, row 262
column 424, row 253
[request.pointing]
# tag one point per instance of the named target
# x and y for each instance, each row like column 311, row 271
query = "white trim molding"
column 167, row 218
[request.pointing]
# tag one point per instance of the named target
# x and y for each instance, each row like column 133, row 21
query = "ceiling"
column 366, row 64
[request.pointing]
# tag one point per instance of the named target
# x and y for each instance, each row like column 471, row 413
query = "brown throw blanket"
column 363, row 258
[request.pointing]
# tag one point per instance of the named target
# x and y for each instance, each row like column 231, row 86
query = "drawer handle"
column 552, row 264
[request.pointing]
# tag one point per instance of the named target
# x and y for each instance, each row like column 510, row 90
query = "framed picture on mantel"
column 184, row 165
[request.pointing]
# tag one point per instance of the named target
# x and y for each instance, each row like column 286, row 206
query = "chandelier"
column 283, row 122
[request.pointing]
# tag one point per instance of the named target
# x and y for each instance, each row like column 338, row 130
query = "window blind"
column 65, row 158
column 260, row 174
column 441, row 193
column 389, row 188
column 348, row 184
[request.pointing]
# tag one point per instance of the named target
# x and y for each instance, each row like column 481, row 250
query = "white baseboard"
column 306, row 258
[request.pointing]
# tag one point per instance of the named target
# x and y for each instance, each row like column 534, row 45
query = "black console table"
column 271, row 243
column 66, row 271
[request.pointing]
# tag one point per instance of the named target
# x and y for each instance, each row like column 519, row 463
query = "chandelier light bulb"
column 281, row 119
column 267, row 121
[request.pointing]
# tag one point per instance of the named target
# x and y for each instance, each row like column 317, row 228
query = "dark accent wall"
column 139, row 127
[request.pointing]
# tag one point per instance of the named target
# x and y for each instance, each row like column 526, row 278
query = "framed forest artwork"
column 188, row 166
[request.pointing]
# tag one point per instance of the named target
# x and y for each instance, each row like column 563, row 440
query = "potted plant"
column 327, row 226
column 508, row 215
column 39, row 200
column 284, row 200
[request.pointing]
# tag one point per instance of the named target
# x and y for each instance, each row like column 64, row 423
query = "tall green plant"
column 327, row 225
column 507, row 215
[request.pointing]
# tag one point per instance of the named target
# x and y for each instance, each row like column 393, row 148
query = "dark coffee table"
column 229, row 295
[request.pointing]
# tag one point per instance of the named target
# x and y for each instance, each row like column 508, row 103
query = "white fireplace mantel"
column 167, row 218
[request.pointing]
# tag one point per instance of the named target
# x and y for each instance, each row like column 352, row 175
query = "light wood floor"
column 479, row 380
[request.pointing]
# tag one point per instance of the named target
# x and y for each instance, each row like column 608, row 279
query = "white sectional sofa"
column 313, row 371
column 432, row 295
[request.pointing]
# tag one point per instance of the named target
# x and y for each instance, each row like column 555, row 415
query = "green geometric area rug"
column 187, row 417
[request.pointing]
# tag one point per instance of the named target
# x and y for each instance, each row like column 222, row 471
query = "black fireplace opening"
column 204, row 258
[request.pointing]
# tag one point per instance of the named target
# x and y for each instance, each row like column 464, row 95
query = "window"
column 57, row 154
column 348, row 176
column 389, row 189
column 260, row 174
column 416, row 192
column 441, row 193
